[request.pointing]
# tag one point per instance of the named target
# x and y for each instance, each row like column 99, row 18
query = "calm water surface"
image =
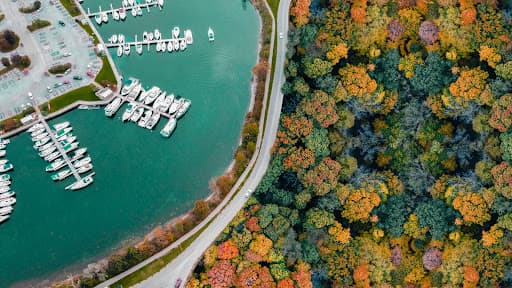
column 142, row 179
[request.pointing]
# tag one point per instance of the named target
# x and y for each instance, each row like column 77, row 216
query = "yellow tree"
column 489, row 55
column 359, row 204
column 300, row 12
column 473, row 208
column 337, row 52
column 470, row 84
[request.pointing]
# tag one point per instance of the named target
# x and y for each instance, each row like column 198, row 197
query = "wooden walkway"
column 148, row 42
column 128, row 8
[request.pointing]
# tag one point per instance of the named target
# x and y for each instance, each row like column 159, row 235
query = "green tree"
column 431, row 77
column 393, row 214
column 437, row 217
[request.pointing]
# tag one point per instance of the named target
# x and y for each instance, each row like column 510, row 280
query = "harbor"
column 119, row 14
column 7, row 197
column 142, row 179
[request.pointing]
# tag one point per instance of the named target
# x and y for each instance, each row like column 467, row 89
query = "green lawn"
column 89, row 31
column 106, row 73
column 157, row 265
column 71, row 7
column 85, row 93
column 274, row 5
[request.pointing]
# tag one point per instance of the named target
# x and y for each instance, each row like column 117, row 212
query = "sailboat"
column 115, row 15
column 138, row 46
column 120, row 51
column 122, row 13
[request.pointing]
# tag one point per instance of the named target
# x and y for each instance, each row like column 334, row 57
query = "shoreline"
column 74, row 270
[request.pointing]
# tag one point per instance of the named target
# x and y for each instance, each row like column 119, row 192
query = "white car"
column 280, row 35
column 248, row 193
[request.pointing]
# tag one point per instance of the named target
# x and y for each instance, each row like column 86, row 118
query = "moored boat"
column 127, row 114
column 8, row 202
column 2, row 153
column 56, row 165
column 47, row 152
column 85, row 168
column 144, row 120
column 52, row 156
column 70, row 147
column 188, row 36
column 137, row 114
column 6, row 195
column 176, row 32
column 6, row 210
column 61, row 125
column 82, row 162
column 129, row 85
column 211, row 34
column 122, row 13
column 119, row 51
column 152, row 95
column 35, row 127
column 183, row 109
column 42, row 142
column 153, row 121
column 176, row 104
column 169, row 128
column 80, row 184
column 6, row 167
column 5, row 177
column 61, row 175
column 4, row 218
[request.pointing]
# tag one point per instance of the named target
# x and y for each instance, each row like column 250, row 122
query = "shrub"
column 32, row 8
column 59, row 69
column 38, row 24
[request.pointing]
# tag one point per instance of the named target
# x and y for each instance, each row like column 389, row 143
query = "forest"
column 392, row 166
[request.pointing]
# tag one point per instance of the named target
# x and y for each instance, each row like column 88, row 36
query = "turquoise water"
column 141, row 178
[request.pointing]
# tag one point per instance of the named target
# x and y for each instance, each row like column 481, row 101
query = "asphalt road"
column 183, row 265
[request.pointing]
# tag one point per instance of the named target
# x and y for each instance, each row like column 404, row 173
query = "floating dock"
column 126, row 8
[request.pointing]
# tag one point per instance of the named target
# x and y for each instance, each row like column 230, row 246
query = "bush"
column 38, row 24
column 59, row 69
column 8, row 41
column 2, row 17
column 32, row 8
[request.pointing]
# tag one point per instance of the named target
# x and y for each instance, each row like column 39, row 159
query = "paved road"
column 182, row 266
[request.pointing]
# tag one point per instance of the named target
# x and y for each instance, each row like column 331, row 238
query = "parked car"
column 178, row 283
column 77, row 77
column 61, row 23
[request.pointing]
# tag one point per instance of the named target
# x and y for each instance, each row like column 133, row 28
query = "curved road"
column 182, row 266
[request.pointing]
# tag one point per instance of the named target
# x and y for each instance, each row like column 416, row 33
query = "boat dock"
column 126, row 8
column 148, row 42
column 147, row 107
column 61, row 150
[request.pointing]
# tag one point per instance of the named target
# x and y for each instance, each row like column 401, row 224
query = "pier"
column 126, row 8
column 148, row 42
column 147, row 107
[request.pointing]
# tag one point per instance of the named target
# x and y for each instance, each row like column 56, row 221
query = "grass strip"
column 106, row 73
column 85, row 93
column 71, row 7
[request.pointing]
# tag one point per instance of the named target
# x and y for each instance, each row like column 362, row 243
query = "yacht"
column 63, row 132
column 56, row 165
column 158, row 46
column 160, row 2
column 113, row 39
column 4, row 141
column 68, row 140
column 35, row 127
column 64, row 136
column 2, row 153
column 52, row 156
column 129, row 111
column 131, row 2
column 40, row 137
column 139, row 11
column 47, row 152
column 3, row 146
column 152, row 94
column 211, row 34
column 86, row 168
column 183, row 45
column 176, row 44
column 169, row 128
column 183, row 109
column 61, row 175
column 135, row 92
column 3, row 161
column 82, row 162
column 84, row 182
column 125, row 3
column 159, row 101
column 6, row 195
column 163, row 47
column 98, row 18
column 145, row 37
column 45, row 146
column 70, row 147
column 6, row 167
column 113, row 107
column 6, row 210
column 4, row 218
column 5, row 177
column 42, row 142
column 78, row 154
column 120, row 38
column 176, row 104
column 129, row 85
column 126, row 48
column 138, row 48
column 143, row 94
column 8, row 202
column 153, row 121
column 188, row 36
column 119, row 50
column 122, row 13
column 5, row 189
column 157, row 34
column 176, row 32
column 104, row 17
column 167, row 103
column 134, row 12
column 137, row 114
column 61, row 125
column 145, row 118
column 5, row 183
column 150, row 36
column 170, row 46
column 115, row 15
column 37, row 132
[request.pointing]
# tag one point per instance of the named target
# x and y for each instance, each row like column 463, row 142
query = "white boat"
column 68, row 140
column 40, row 136
column 82, row 162
column 61, row 125
column 144, row 120
column 70, row 147
column 139, row 11
column 125, row 3
column 122, row 13
column 152, row 94
column 158, row 46
column 183, row 45
column 176, row 32
column 176, row 104
column 170, row 46
column 84, row 182
column 112, row 108
column 42, row 142
column 63, row 132
column 188, row 36
column 3, row 146
column 143, row 94
column 131, row 2
column 56, row 165
column 150, row 36
column 86, row 168
column 6, row 167
column 137, row 114
column 4, row 141
column 45, row 146
column 5, row 189
column 138, row 48
column 8, row 202
column 176, row 44
column 5, row 177
column 157, row 34
column 2, row 153
column 167, row 103
column 3, row 161
column 6, row 195
column 35, row 127
column 129, row 85
column 6, row 210
column 115, row 15
column 183, row 109
column 104, row 17
column 5, row 183
column 64, row 136
column 120, row 38
column 119, row 50
column 98, row 18
column 52, row 156
column 61, row 175
column 4, row 218
column 129, row 111
column 160, row 2
column 169, row 128
column 126, row 48
column 145, row 37
column 78, row 154
column 134, row 12
column 153, row 121
column 159, row 100
column 211, row 34
column 37, row 132
column 47, row 152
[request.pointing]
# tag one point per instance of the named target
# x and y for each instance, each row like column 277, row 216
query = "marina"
column 117, row 14
column 7, row 197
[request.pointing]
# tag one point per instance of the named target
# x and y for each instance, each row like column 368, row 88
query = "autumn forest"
column 392, row 166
